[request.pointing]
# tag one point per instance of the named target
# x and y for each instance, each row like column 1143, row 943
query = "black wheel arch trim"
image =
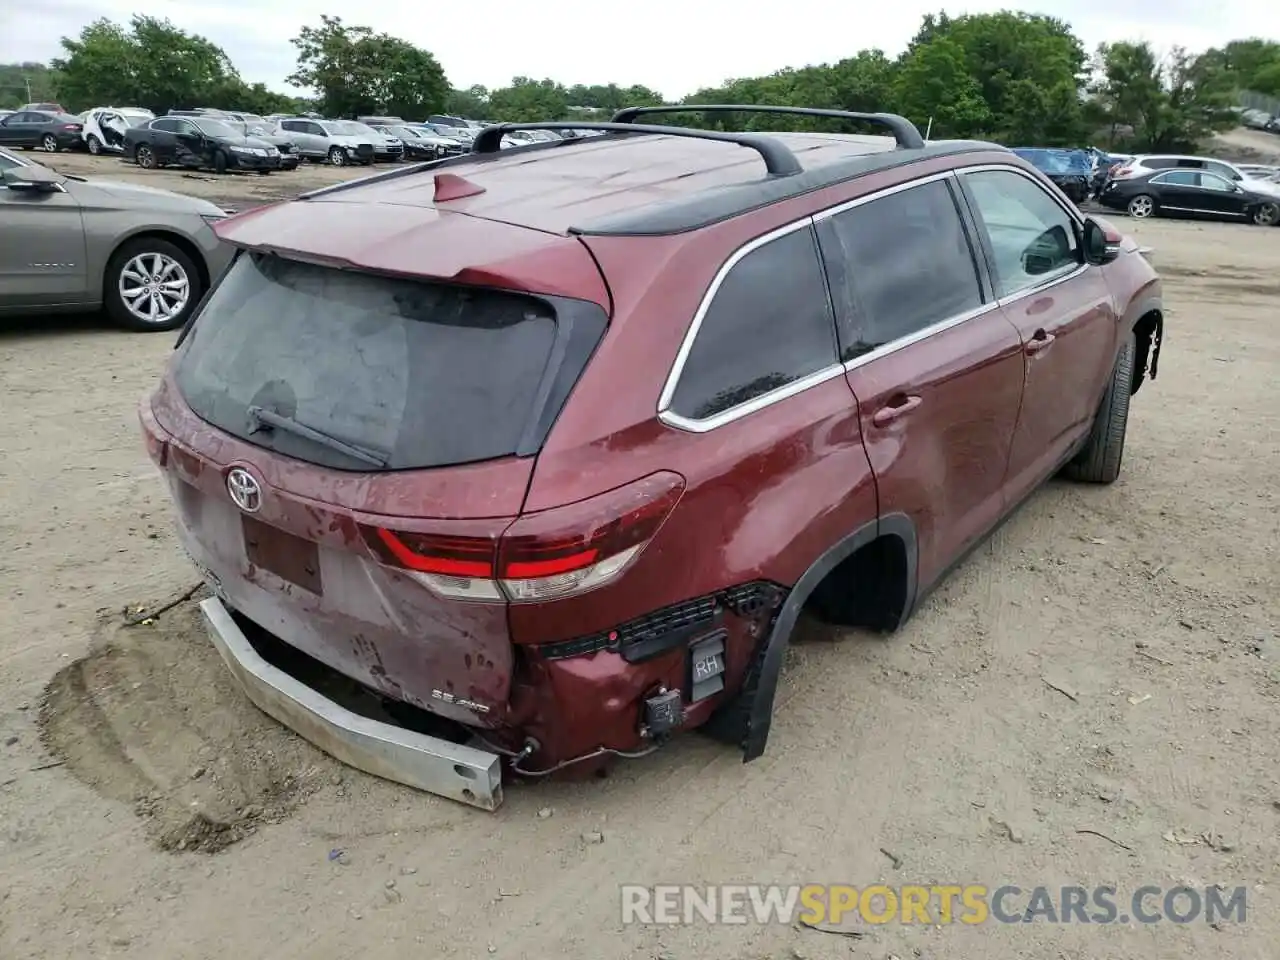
column 759, row 716
column 1147, row 362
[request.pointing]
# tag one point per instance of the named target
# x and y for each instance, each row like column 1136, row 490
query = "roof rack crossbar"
column 778, row 159
column 903, row 130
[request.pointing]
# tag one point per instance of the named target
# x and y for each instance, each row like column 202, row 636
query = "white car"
column 104, row 127
column 1148, row 163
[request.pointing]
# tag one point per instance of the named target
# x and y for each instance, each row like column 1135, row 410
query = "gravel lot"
column 1091, row 699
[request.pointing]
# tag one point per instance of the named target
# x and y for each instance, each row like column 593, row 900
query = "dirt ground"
column 1091, row 699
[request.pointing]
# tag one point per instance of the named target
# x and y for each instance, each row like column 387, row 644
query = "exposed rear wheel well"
column 1146, row 331
column 867, row 589
column 178, row 240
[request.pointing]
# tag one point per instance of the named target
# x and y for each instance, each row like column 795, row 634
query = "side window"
column 315, row 129
column 768, row 324
column 1032, row 238
column 167, row 124
column 185, row 126
column 1179, row 178
column 1222, row 170
column 897, row 265
column 1211, row 182
column 293, row 125
column 7, row 163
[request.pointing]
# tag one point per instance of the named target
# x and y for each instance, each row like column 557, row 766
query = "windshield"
column 405, row 132
column 348, row 128
column 405, row 374
column 217, row 128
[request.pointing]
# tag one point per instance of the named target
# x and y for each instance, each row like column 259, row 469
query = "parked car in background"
column 338, row 142
column 598, row 446
column 1145, row 163
column 422, row 144
column 260, row 130
column 380, row 121
column 1071, row 170
column 105, row 127
column 72, row 244
column 46, row 130
column 1255, row 119
column 198, row 142
column 463, row 135
column 1191, row 193
column 7, row 113
column 444, row 120
column 386, row 146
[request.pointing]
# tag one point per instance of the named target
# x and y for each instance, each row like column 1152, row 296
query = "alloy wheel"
column 154, row 288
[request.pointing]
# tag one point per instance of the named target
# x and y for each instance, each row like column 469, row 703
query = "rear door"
column 935, row 365
column 161, row 136
column 1061, row 307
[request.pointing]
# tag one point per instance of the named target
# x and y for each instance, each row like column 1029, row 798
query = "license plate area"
column 289, row 557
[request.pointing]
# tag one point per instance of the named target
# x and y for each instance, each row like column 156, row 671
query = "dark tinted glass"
column 1184, row 178
column 165, row 123
column 769, row 324
column 897, row 265
column 418, row 374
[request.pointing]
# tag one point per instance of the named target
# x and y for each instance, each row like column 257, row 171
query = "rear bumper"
column 461, row 773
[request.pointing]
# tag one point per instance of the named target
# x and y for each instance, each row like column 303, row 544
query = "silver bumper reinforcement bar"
column 452, row 770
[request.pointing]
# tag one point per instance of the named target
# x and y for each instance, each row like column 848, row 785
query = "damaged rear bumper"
column 431, row 764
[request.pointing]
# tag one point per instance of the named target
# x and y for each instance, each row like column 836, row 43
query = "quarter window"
column 898, row 265
column 1033, row 239
column 768, row 325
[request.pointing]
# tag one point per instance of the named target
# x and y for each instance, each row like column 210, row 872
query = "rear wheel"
column 1142, row 206
column 145, row 157
column 1099, row 460
column 1267, row 214
column 151, row 285
column 94, row 144
column 49, row 143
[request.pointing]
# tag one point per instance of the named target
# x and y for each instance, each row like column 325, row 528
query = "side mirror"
column 1097, row 248
column 34, row 179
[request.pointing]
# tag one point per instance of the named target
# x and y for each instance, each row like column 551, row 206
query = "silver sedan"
column 71, row 244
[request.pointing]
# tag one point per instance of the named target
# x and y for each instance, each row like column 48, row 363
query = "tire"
column 1142, row 207
column 145, row 157
column 1099, row 460
column 263, row 173
column 149, row 266
column 94, row 145
column 49, row 143
column 1266, row 214
column 338, row 157
column 219, row 162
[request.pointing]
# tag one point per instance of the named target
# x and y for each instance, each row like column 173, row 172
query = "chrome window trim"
column 755, row 404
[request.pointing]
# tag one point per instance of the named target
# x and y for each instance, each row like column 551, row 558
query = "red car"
column 525, row 459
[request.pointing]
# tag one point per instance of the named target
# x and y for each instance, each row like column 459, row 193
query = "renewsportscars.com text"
column 831, row 904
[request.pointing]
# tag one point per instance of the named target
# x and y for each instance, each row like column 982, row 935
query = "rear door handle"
column 886, row 415
column 1039, row 343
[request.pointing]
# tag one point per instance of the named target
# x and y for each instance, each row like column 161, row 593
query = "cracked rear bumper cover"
column 431, row 764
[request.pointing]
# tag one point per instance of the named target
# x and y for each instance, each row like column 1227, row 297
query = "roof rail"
column 904, row 131
column 778, row 160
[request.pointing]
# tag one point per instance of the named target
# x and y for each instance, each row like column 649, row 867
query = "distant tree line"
column 1013, row 77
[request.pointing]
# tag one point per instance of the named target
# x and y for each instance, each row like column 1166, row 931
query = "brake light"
column 71, row 127
column 541, row 556
column 1121, row 172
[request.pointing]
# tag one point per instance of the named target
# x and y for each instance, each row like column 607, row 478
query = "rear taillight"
column 1121, row 172
column 71, row 127
column 157, row 442
column 541, row 556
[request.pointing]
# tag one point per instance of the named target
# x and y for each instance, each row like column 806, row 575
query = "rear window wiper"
column 261, row 419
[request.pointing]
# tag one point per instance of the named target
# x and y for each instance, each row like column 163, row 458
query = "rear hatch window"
column 362, row 372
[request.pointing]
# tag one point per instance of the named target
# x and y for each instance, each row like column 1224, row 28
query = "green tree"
column 1023, row 64
column 356, row 71
column 934, row 83
column 528, row 101
column 1252, row 64
column 1168, row 106
column 472, row 103
column 150, row 64
column 26, row 83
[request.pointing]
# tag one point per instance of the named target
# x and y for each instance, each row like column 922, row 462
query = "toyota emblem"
column 245, row 491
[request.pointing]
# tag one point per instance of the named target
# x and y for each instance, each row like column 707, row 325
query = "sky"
column 673, row 46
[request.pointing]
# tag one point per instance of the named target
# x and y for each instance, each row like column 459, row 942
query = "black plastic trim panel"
column 655, row 633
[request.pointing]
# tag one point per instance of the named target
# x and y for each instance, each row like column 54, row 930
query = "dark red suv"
column 545, row 448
